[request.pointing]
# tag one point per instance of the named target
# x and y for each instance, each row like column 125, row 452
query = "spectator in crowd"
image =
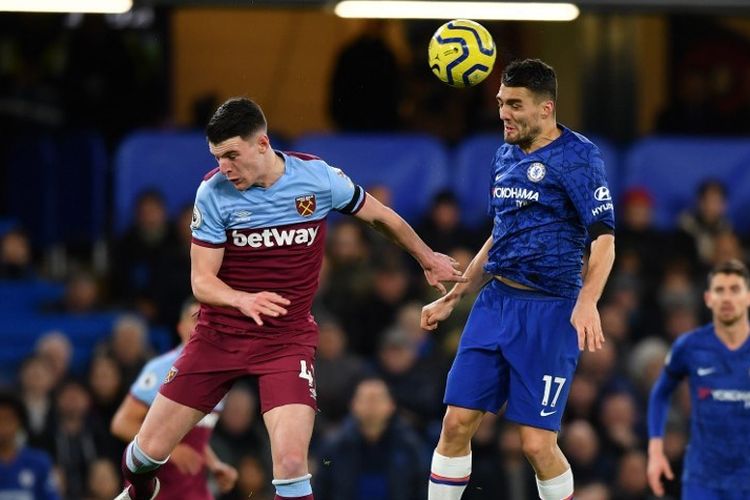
column 704, row 222
column 104, row 480
column 442, row 228
column 24, row 472
column 336, row 373
column 390, row 288
column 129, row 346
column 582, row 399
column 413, row 382
column 77, row 438
column 171, row 276
column 631, row 483
column 619, row 423
column 500, row 469
column 582, row 446
column 252, row 481
column 55, row 347
column 36, row 384
column 357, row 101
column 139, row 253
column 239, row 430
column 82, row 295
column 106, row 385
column 15, row 256
column 375, row 456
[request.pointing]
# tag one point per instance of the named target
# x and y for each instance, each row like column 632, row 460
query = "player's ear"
column 548, row 108
column 264, row 143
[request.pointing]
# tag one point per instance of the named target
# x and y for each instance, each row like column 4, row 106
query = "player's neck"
column 546, row 136
column 273, row 173
column 735, row 335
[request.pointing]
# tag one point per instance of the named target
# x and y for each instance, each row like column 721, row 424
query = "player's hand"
column 442, row 268
column 658, row 465
column 186, row 459
column 225, row 476
column 262, row 303
column 585, row 319
column 436, row 311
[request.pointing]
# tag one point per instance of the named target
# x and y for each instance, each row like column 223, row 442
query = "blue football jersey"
column 28, row 477
column 544, row 205
column 719, row 380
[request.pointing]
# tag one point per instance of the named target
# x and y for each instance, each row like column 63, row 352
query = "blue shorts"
column 517, row 346
column 695, row 491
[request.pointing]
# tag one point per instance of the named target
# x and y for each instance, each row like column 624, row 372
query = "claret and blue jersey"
column 719, row 380
column 273, row 239
column 545, row 206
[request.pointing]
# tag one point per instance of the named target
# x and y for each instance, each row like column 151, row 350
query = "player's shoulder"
column 305, row 164
column 695, row 338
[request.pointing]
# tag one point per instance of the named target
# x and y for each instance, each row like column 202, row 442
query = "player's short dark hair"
column 733, row 266
column 533, row 74
column 239, row 116
column 10, row 400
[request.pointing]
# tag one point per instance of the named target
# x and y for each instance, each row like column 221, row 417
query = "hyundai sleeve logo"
column 602, row 194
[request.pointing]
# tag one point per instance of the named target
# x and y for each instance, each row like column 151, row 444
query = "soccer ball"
column 462, row 53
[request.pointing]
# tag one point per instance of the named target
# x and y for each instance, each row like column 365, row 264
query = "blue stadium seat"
column 471, row 173
column 28, row 296
column 672, row 168
column 62, row 198
column 413, row 167
column 20, row 330
column 170, row 162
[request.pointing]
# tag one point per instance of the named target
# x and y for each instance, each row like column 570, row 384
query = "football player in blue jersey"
column 520, row 346
column 716, row 361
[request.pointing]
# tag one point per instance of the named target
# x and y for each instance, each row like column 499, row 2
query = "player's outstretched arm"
column 209, row 289
column 585, row 317
column 475, row 277
column 437, row 267
column 127, row 421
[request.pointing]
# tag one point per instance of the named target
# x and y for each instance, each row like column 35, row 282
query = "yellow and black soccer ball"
column 462, row 53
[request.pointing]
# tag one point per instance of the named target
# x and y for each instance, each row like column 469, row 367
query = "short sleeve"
column 346, row 196
column 491, row 184
column 206, row 225
column 586, row 184
column 147, row 384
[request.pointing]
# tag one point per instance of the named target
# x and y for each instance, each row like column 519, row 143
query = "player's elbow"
column 123, row 427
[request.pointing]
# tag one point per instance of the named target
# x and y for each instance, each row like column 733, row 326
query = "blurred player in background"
column 520, row 345
column 25, row 473
column 716, row 361
column 259, row 227
column 184, row 476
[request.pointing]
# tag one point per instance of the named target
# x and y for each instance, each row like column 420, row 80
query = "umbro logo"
column 242, row 215
column 702, row 372
column 547, row 413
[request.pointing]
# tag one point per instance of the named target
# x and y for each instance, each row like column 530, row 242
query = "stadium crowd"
column 380, row 378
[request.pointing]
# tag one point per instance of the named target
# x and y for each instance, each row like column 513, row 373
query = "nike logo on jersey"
column 702, row 372
column 547, row 413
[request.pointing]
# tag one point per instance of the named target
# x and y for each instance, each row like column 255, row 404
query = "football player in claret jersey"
column 715, row 359
column 259, row 228
column 184, row 476
column 548, row 197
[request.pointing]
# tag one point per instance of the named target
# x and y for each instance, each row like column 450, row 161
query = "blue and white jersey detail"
column 307, row 191
column 152, row 376
column 719, row 380
column 544, row 205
